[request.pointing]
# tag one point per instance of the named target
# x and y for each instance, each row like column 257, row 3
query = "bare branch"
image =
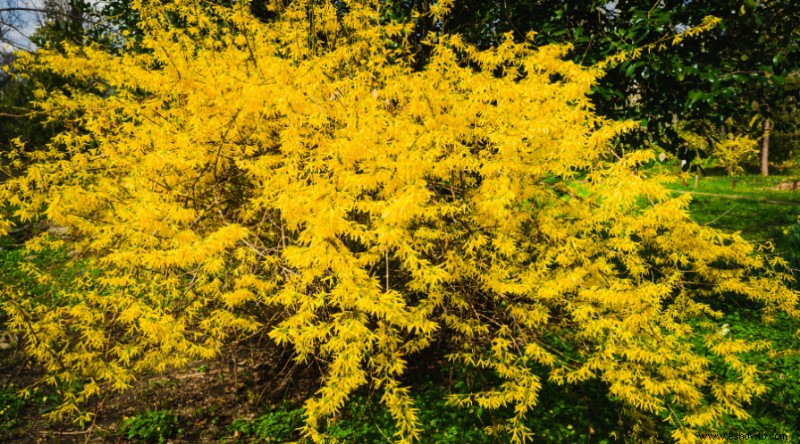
column 15, row 9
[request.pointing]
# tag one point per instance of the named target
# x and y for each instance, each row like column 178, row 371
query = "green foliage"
column 279, row 425
column 41, row 275
column 788, row 243
column 777, row 411
column 25, row 270
column 363, row 420
column 151, row 427
column 18, row 120
column 11, row 408
column 18, row 403
column 574, row 416
column 742, row 66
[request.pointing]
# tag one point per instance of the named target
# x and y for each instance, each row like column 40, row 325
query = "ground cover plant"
column 312, row 182
column 11, row 406
column 155, row 426
column 559, row 419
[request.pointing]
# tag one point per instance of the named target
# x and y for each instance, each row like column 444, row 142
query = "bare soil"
column 787, row 186
column 207, row 396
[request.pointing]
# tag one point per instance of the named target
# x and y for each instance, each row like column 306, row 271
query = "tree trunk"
column 76, row 20
column 765, row 148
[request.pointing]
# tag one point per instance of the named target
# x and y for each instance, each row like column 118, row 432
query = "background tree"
column 733, row 151
column 737, row 70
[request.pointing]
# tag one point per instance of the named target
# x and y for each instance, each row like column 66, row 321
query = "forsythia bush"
column 733, row 151
column 235, row 172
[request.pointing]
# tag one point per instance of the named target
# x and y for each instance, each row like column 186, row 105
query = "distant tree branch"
column 41, row 11
column 9, row 25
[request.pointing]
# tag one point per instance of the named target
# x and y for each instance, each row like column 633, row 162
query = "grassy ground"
column 761, row 208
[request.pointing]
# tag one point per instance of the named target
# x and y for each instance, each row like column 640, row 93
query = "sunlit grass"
column 760, row 208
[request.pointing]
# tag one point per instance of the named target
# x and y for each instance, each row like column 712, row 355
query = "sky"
column 23, row 23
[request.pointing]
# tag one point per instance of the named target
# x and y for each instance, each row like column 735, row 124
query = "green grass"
column 751, row 185
column 754, row 208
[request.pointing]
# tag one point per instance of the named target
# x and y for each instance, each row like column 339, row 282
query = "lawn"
column 760, row 208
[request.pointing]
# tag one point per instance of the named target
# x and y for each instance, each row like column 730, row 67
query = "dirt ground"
column 787, row 186
column 206, row 396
